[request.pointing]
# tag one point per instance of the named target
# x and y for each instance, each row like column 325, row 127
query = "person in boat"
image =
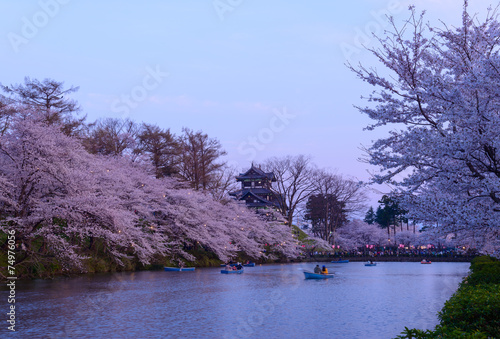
column 370, row 262
column 317, row 269
column 324, row 270
column 239, row 266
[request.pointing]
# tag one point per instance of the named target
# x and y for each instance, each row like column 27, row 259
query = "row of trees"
column 192, row 156
column 66, row 200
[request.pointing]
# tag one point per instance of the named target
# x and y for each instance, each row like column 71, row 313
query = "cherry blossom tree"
column 406, row 238
column 435, row 237
column 441, row 96
column 57, row 199
column 358, row 233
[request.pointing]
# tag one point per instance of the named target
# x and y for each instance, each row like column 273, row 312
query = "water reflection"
column 266, row 301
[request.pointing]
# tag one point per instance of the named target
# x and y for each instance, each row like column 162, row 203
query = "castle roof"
column 256, row 173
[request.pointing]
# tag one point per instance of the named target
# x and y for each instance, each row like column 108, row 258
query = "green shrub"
column 441, row 332
column 474, row 308
column 483, row 259
column 444, row 332
column 485, row 270
column 484, row 273
column 480, row 266
column 485, row 266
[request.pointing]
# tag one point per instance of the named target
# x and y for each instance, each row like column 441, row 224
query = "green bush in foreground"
column 483, row 259
column 440, row 333
column 474, row 308
column 484, row 273
column 485, row 270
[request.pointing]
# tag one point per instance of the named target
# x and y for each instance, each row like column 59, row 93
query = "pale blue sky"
column 231, row 64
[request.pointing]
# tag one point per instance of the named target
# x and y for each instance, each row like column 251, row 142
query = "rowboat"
column 179, row 269
column 372, row 264
column 250, row 264
column 231, row 271
column 340, row 261
column 310, row 275
column 426, row 262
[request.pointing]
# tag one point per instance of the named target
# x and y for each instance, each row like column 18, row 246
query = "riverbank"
column 473, row 311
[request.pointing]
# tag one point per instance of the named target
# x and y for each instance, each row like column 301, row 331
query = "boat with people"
column 426, row 261
column 178, row 269
column 339, row 261
column 371, row 263
column 232, row 271
column 249, row 264
column 311, row 275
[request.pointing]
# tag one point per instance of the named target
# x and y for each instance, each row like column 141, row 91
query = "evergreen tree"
column 370, row 216
column 381, row 217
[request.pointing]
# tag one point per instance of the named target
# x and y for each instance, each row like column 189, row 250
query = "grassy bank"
column 474, row 310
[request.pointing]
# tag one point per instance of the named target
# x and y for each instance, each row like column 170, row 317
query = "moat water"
column 268, row 301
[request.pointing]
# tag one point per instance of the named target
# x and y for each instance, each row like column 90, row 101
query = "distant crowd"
column 446, row 253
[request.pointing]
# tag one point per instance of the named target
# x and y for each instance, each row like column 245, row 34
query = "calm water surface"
column 270, row 301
